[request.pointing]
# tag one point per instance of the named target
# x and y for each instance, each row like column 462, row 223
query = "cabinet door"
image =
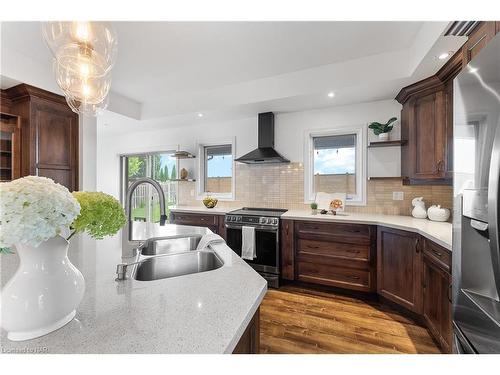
column 399, row 268
column 56, row 143
column 437, row 302
column 428, row 136
column 287, row 250
column 197, row 220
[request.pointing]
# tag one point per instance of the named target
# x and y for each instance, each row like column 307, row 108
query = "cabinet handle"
column 312, row 247
column 437, row 253
column 449, row 292
column 417, row 245
column 440, row 164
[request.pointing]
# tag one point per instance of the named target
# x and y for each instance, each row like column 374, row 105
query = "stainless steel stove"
column 266, row 222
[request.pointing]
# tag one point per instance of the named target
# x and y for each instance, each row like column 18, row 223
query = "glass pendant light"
column 84, row 54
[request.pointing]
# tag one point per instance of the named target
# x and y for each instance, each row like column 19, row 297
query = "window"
column 216, row 170
column 334, row 164
column 160, row 166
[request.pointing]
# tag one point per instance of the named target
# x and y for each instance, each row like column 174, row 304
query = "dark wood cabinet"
column 399, row 261
column 427, row 116
column 479, row 38
column 250, row 340
column 213, row 222
column 437, row 293
column 10, row 147
column 334, row 254
column 287, row 250
column 426, row 125
column 49, row 134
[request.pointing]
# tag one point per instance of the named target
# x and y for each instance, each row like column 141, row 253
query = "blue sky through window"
column 335, row 160
column 220, row 166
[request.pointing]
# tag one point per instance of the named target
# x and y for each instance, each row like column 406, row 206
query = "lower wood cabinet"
column 333, row 254
column 437, row 294
column 250, row 340
column 213, row 222
column 399, row 268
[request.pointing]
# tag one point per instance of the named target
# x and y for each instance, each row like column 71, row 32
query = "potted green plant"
column 382, row 130
column 314, row 208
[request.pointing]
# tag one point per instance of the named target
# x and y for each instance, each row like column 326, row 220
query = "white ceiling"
column 173, row 70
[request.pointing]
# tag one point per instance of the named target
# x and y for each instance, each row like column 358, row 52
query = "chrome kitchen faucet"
column 128, row 244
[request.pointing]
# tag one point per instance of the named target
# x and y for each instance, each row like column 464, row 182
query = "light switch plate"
column 398, row 196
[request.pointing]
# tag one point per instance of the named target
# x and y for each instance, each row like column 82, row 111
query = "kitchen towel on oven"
column 248, row 243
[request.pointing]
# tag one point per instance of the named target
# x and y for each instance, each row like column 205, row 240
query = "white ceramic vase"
column 44, row 293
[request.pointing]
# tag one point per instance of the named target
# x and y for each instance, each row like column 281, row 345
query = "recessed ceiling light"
column 331, row 94
column 200, row 114
column 445, row 55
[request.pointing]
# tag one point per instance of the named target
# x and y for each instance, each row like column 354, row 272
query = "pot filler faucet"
column 128, row 244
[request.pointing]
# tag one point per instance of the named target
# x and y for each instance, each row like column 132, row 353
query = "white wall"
column 289, row 136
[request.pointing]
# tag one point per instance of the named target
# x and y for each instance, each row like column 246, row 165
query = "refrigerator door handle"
column 493, row 207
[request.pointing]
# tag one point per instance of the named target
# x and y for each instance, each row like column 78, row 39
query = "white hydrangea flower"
column 34, row 209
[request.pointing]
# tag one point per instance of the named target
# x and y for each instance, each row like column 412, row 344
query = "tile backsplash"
column 282, row 186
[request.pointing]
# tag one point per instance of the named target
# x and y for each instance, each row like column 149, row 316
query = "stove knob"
column 262, row 220
column 268, row 221
column 275, row 221
column 239, row 218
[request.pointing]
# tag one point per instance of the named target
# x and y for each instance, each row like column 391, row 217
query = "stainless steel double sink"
column 161, row 258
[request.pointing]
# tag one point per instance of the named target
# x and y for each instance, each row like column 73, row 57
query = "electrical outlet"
column 398, row 196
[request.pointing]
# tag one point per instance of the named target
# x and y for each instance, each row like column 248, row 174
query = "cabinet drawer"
column 334, row 249
column 194, row 219
column 341, row 277
column 438, row 254
column 350, row 233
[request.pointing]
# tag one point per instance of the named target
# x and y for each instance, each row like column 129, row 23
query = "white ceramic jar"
column 438, row 213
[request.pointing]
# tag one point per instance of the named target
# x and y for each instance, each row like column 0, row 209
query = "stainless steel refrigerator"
column 476, row 253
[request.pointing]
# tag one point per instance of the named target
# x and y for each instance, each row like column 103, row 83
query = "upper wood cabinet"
column 427, row 116
column 426, row 157
column 10, row 147
column 49, row 134
column 399, row 262
column 479, row 38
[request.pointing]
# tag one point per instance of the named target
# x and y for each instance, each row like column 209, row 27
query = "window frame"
column 201, row 167
column 360, row 167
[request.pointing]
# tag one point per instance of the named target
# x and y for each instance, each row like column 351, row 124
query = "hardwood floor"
column 298, row 320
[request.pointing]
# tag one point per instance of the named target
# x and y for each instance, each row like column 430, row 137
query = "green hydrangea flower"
column 101, row 214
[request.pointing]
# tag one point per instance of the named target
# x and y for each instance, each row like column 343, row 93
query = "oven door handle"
column 260, row 228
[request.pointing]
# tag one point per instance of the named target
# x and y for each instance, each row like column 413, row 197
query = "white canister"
column 438, row 213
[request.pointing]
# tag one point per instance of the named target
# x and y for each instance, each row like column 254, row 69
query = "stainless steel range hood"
column 265, row 152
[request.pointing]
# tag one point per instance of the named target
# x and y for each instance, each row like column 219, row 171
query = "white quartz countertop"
column 437, row 232
column 199, row 313
column 201, row 209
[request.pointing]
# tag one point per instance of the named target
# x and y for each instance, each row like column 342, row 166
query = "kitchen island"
column 204, row 312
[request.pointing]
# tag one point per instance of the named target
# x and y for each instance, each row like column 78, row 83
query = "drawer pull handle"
column 312, row 247
column 437, row 253
column 354, row 277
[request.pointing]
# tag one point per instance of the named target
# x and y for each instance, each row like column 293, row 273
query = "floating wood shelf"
column 183, row 155
column 387, row 143
column 185, row 179
column 385, row 178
